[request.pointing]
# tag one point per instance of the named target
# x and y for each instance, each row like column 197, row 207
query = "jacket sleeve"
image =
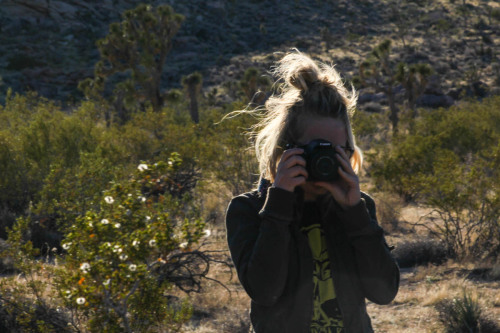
column 378, row 271
column 259, row 243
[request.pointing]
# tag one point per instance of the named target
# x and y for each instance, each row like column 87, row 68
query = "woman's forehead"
column 326, row 128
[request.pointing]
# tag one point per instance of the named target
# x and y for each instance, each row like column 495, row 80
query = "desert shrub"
column 124, row 250
column 367, row 125
column 22, row 315
column 115, row 251
column 34, row 134
column 420, row 252
column 23, row 307
column 464, row 315
column 452, row 165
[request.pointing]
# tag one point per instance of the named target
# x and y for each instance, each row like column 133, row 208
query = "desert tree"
column 192, row 83
column 133, row 55
column 414, row 79
column 251, row 84
column 379, row 72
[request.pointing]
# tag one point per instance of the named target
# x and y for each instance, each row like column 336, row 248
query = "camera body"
column 321, row 160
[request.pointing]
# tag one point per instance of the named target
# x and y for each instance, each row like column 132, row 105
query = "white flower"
column 142, row 167
column 66, row 246
column 85, row 267
column 143, row 199
column 136, row 243
column 117, row 225
column 129, row 195
column 109, row 199
column 148, row 218
column 105, row 221
column 207, row 232
column 123, row 257
column 170, row 163
column 117, row 249
column 80, row 301
column 108, row 244
column 68, row 294
column 152, row 243
column 90, row 224
column 106, row 283
column 183, row 245
column 132, row 267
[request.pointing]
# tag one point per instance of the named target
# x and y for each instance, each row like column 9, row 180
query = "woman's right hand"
column 291, row 170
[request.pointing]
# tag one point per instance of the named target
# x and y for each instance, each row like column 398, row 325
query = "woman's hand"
column 345, row 190
column 291, row 170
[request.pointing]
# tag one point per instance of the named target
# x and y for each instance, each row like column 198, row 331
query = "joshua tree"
column 134, row 52
column 377, row 71
column 414, row 80
column 251, row 83
column 192, row 83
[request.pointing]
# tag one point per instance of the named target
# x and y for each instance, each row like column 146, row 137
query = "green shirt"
column 327, row 317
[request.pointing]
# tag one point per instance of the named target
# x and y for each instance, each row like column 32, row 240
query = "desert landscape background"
column 117, row 161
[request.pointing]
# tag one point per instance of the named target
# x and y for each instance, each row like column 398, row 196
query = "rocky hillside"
column 49, row 45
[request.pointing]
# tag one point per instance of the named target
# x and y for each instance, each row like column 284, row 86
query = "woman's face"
column 325, row 128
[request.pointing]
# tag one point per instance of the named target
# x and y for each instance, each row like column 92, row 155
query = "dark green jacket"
column 275, row 266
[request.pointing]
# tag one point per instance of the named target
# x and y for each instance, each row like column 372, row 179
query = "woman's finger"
column 348, row 177
column 346, row 166
column 342, row 152
column 294, row 160
column 296, row 171
column 290, row 152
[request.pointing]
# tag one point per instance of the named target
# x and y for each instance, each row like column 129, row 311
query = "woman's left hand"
column 345, row 190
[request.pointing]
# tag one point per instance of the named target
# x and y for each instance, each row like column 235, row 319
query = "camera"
column 321, row 160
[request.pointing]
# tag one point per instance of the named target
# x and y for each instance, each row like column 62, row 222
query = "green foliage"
column 124, row 250
column 135, row 48
column 452, row 165
column 75, row 161
column 114, row 252
column 23, row 307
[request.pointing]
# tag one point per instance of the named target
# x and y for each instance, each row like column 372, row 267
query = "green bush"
column 123, row 252
column 451, row 164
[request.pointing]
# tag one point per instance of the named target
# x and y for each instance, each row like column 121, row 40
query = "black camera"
column 321, row 162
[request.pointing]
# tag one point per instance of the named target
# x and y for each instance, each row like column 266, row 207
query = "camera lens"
column 325, row 165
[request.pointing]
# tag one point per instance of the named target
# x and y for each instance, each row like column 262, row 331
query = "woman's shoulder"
column 249, row 200
column 369, row 202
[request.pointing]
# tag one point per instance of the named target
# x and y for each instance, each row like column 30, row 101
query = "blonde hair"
column 309, row 89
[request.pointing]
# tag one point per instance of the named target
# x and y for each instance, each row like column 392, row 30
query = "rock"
column 435, row 101
column 369, row 98
column 372, row 107
column 434, row 86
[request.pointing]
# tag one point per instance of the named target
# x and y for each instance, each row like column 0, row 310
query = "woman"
column 308, row 249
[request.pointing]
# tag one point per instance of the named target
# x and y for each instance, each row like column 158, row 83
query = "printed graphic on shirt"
column 326, row 313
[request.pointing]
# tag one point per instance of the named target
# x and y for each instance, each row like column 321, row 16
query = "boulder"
column 370, row 98
column 435, row 101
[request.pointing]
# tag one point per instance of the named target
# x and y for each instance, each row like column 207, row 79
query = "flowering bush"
column 111, row 274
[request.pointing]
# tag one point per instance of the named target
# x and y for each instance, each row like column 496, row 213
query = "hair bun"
column 304, row 79
column 299, row 71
